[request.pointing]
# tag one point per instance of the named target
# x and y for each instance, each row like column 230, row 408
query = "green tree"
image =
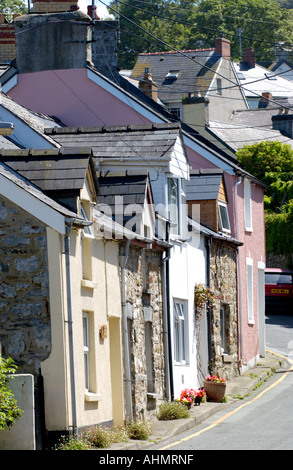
column 187, row 25
column 12, row 6
column 9, row 410
column 160, row 19
column 272, row 163
column 261, row 24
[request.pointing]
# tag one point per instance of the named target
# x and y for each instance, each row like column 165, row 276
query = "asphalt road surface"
column 262, row 421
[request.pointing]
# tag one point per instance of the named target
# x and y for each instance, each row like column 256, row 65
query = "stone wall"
column 145, row 307
column 25, row 333
column 223, row 282
column 104, row 49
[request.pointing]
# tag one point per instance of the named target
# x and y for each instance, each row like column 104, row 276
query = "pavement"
column 236, row 389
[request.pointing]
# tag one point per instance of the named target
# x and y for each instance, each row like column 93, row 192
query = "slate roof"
column 256, row 81
column 38, row 122
column 27, row 186
column 5, row 143
column 51, row 170
column 203, row 185
column 134, row 141
column 236, row 135
column 200, row 228
column 192, row 77
column 132, row 188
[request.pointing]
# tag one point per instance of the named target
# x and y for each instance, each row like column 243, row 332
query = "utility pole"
column 240, row 31
column 118, row 20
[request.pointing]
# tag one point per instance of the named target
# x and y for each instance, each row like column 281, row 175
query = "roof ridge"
column 105, row 129
column 178, row 51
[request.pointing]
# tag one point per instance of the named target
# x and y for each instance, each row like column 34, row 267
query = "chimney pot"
column 90, row 12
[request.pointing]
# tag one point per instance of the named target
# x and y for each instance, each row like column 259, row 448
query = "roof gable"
column 178, row 72
column 206, row 185
column 59, row 173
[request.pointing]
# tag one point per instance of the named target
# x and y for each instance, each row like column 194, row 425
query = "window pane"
column 173, row 208
column 223, row 217
column 180, row 343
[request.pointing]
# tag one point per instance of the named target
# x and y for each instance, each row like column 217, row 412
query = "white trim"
column 247, row 205
column 249, row 291
column 11, row 83
column 32, row 205
column 208, row 155
column 222, row 229
column 123, row 96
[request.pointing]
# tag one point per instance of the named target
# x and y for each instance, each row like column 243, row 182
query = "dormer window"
column 224, row 224
column 172, row 74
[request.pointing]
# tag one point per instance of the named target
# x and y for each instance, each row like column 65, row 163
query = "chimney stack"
column 7, row 39
column 284, row 124
column 54, row 6
column 52, row 41
column 249, row 57
column 149, row 87
column 223, row 47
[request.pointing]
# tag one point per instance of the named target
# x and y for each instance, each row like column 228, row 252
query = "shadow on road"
column 283, row 320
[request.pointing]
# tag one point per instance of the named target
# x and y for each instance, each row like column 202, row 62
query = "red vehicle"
column 279, row 290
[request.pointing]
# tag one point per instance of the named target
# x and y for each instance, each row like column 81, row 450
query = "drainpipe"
column 128, row 393
column 208, row 281
column 166, row 316
column 167, row 326
column 239, row 270
column 69, row 223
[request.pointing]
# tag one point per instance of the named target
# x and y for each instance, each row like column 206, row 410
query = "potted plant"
column 203, row 295
column 187, row 397
column 215, row 387
column 200, row 396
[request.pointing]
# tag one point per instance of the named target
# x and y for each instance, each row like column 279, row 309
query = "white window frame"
column 249, row 291
column 223, row 319
column 87, row 230
column 86, row 349
column 174, row 229
column 180, row 332
column 247, row 206
column 221, row 225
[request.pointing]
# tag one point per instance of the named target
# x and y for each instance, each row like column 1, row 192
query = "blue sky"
column 101, row 9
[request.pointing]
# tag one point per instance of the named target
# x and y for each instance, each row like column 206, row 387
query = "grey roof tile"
column 193, row 76
column 126, row 141
column 49, row 170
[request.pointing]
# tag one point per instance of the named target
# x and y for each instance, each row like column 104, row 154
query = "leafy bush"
column 139, row 430
column 73, row 443
column 172, row 410
column 9, row 410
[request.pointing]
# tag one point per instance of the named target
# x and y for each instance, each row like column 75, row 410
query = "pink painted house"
column 77, row 94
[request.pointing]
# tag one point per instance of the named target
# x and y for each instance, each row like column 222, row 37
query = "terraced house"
column 156, row 230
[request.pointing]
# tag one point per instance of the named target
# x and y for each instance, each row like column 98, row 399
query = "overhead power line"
column 186, row 23
column 241, row 87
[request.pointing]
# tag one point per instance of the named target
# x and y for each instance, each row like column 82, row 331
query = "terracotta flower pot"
column 215, row 391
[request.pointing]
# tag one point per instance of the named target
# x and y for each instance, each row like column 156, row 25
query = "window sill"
column 88, row 284
column 92, row 397
column 248, row 229
column 227, row 358
column 154, row 396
